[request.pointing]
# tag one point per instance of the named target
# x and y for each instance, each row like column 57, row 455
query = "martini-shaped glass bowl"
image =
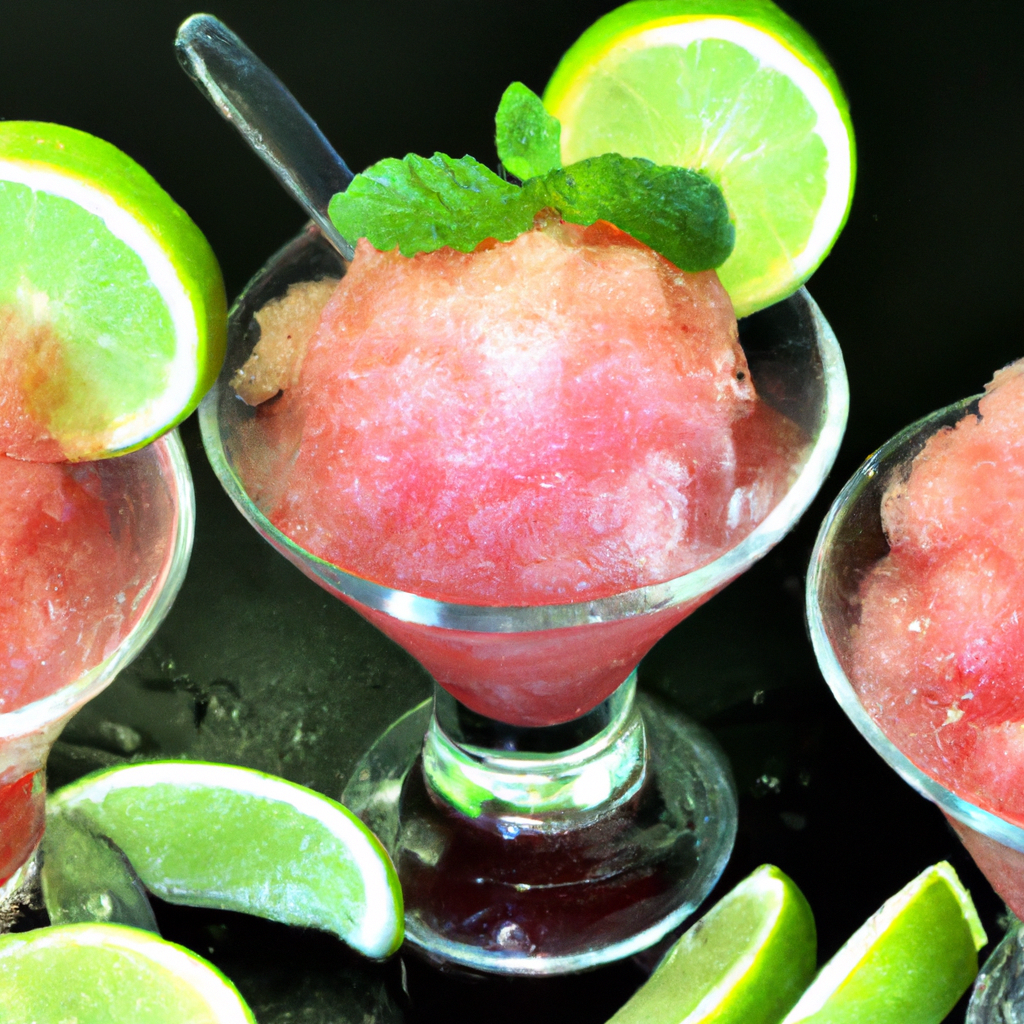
column 147, row 505
column 851, row 541
column 554, row 821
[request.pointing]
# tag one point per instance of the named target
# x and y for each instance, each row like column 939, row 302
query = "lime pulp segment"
column 112, row 307
column 908, row 963
column 109, row 974
column 228, row 837
column 105, row 288
column 736, row 102
column 745, row 962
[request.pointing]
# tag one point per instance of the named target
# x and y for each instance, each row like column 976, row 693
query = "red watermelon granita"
column 938, row 656
column 557, row 418
column 73, row 582
column 66, row 592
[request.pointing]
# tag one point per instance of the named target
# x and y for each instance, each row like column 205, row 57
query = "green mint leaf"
column 421, row 204
column 677, row 212
column 527, row 137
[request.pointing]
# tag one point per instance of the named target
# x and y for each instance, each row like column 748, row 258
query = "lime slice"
column 746, row 961
column 112, row 309
column 211, row 835
column 908, row 963
column 110, row 974
column 733, row 88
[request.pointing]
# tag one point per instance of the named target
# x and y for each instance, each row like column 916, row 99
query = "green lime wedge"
column 110, row 974
column 211, row 835
column 908, row 963
column 112, row 308
column 745, row 962
column 733, row 88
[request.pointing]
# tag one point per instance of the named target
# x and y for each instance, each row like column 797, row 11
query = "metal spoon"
column 252, row 98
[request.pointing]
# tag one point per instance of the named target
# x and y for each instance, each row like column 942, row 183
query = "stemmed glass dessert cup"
column 148, row 501
column 851, row 540
column 543, row 817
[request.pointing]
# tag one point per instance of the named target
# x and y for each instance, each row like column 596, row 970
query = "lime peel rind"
column 216, row 991
column 376, row 932
column 639, row 15
column 797, row 917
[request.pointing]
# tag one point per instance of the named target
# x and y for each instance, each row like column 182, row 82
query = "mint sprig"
column 527, row 137
column 677, row 212
column 421, row 204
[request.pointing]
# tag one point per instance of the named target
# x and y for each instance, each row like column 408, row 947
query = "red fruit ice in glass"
column 70, row 587
column 939, row 651
column 555, row 419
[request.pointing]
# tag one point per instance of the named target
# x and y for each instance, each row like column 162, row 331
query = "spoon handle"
column 252, row 98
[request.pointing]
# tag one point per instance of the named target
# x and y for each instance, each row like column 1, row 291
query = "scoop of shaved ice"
column 938, row 655
column 545, row 420
column 65, row 594
column 969, row 482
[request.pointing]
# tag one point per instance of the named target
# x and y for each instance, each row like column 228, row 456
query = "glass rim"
column 988, row 823
column 30, row 718
column 420, row 610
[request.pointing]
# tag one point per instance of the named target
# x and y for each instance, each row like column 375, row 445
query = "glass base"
column 578, row 858
column 998, row 996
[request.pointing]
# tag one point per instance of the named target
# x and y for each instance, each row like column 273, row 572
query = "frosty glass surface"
column 797, row 367
column 850, row 542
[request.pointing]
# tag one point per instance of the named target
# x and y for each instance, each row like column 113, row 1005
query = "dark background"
column 923, row 290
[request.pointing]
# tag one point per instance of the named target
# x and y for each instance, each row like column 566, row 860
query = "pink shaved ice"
column 557, row 418
column 938, row 657
column 64, row 602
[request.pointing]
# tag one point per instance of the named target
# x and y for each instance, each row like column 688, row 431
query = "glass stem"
column 542, row 780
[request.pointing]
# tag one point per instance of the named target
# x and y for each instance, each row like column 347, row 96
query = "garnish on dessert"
column 527, row 137
column 112, row 308
column 215, row 835
column 423, row 204
column 737, row 90
column 108, row 973
column 556, row 356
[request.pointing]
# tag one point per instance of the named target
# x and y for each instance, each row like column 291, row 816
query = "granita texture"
column 63, row 576
column 938, row 656
column 557, row 418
